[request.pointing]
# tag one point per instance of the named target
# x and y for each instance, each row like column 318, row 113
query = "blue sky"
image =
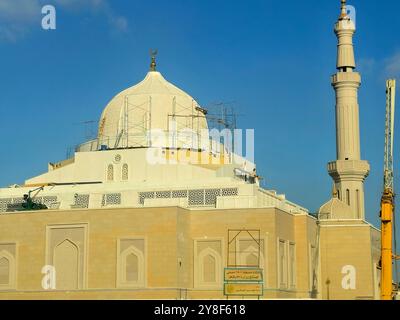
column 274, row 59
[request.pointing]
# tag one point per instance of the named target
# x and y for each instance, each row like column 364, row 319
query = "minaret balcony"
column 341, row 77
column 348, row 169
column 346, row 79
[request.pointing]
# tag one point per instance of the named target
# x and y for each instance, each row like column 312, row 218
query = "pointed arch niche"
column 7, row 267
column 66, row 250
column 110, row 173
column 208, row 263
column 131, row 263
column 66, row 263
column 125, row 172
column 250, row 254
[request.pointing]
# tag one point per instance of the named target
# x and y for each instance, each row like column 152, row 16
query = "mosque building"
column 154, row 208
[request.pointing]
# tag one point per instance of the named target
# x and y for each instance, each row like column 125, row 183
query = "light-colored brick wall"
column 347, row 244
column 169, row 234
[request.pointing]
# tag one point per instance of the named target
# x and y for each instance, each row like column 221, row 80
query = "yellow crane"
column 387, row 201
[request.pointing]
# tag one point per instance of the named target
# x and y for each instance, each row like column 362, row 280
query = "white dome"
column 151, row 104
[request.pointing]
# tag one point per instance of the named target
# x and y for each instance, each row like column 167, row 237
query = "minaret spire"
column 153, row 64
column 343, row 9
column 348, row 171
column 345, row 29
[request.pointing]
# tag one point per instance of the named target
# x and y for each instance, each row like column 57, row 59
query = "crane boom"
column 389, row 131
column 387, row 201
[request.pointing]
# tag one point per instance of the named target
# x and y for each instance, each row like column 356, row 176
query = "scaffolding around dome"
column 184, row 129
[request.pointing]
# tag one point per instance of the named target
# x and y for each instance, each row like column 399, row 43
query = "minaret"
column 348, row 171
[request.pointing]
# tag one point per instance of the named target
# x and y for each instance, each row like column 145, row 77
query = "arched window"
column 7, row 270
column 282, row 265
column 131, row 268
column 358, row 202
column 292, row 264
column 348, row 196
column 209, row 264
column 110, row 172
column 125, row 172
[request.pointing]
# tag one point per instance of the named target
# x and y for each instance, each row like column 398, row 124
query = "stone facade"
column 168, row 248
